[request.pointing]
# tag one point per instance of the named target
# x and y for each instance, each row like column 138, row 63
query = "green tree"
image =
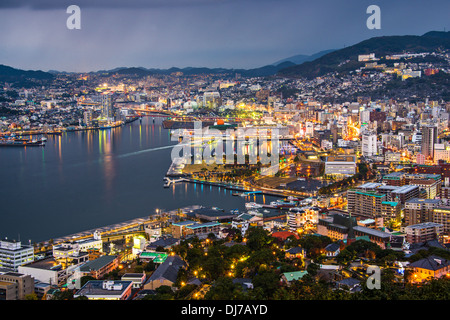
column 224, row 289
column 63, row 295
column 31, row 296
column 268, row 281
column 258, row 238
column 85, row 279
column 313, row 269
column 150, row 266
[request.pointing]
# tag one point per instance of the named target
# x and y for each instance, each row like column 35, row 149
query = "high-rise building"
column 15, row 286
column 13, row 254
column 429, row 138
column 423, row 232
column 107, row 107
column 365, row 203
column 298, row 218
column 419, row 210
column 88, row 118
column 369, row 144
column 441, row 215
column 212, row 99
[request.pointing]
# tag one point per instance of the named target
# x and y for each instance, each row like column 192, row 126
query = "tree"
column 268, row 281
column 313, row 269
column 184, row 291
column 63, row 295
column 85, row 279
column 211, row 236
column 258, row 238
column 150, row 266
column 162, row 293
column 224, row 289
column 345, row 256
column 139, row 269
column 31, row 296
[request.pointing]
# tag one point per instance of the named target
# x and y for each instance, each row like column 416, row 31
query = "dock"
column 128, row 226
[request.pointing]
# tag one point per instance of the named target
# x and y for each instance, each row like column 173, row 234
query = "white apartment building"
column 340, row 165
column 369, row 145
column 73, row 248
column 13, row 254
column 298, row 218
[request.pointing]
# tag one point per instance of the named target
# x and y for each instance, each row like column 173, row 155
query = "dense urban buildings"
column 359, row 176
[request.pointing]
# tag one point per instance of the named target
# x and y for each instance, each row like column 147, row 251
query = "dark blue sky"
column 211, row 33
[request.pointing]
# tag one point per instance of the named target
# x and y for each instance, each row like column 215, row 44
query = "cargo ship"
column 19, row 143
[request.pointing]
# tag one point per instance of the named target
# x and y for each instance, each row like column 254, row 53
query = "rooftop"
column 98, row 263
column 371, row 194
column 419, row 200
column 373, row 232
column 424, row 225
column 405, row 189
column 390, row 203
column 183, row 223
column 341, row 159
column 95, row 287
column 370, row 185
column 203, row 225
column 168, row 269
column 45, row 264
column 158, row 257
column 163, row 242
column 294, row 275
column 431, row 263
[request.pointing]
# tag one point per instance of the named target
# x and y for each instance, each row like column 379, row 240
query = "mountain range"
column 381, row 46
column 308, row 66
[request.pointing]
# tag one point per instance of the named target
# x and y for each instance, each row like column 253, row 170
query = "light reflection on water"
column 86, row 179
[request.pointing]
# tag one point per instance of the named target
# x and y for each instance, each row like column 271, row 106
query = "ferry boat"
column 283, row 204
column 253, row 205
column 255, row 213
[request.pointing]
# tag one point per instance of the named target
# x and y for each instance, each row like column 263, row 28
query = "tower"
column 429, row 138
column 107, row 107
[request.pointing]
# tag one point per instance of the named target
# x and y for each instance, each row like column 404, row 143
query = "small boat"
column 283, row 204
column 253, row 205
column 167, row 183
column 255, row 213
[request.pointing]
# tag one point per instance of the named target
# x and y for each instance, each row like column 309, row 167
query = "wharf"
column 123, row 227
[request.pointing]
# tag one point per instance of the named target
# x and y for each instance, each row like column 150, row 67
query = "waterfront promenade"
column 122, row 227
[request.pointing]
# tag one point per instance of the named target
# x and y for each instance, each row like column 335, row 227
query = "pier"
column 121, row 229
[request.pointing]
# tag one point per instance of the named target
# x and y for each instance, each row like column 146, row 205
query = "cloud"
column 199, row 33
column 105, row 4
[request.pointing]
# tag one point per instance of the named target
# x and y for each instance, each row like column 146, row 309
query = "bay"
column 87, row 179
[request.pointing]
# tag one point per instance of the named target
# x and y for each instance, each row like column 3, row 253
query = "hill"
column 268, row 70
column 381, row 46
column 9, row 74
column 300, row 58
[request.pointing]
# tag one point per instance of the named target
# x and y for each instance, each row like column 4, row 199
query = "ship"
column 283, row 204
column 14, row 143
column 253, row 205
